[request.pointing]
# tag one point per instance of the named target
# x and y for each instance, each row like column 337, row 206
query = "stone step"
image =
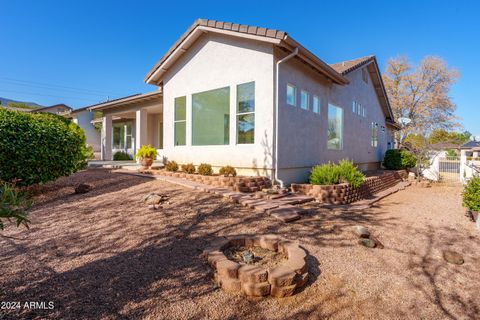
column 286, row 213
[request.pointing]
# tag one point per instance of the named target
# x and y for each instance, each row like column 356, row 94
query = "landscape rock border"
column 253, row 280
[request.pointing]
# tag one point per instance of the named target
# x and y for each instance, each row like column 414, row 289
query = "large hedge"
column 39, row 147
column 471, row 194
column 396, row 159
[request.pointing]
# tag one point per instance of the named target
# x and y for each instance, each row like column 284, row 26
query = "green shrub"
column 13, row 205
column 121, row 156
column 396, row 159
column 188, row 168
column 471, row 194
column 451, row 153
column 146, row 151
column 348, row 173
column 228, row 171
column 39, row 147
column 330, row 173
column 171, row 166
column 205, row 169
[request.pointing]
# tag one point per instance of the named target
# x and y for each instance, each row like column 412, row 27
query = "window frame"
column 175, row 122
column 237, row 114
column 289, row 85
column 307, row 100
column 317, row 98
column 342, row 126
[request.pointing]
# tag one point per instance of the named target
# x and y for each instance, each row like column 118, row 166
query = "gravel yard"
column 105, row 255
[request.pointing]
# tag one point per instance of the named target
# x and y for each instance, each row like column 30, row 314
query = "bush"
column 39, row 147
column 121, row 156
column 330, row 173
column 171, row 166
column 205, row 169
column 451, row 153
column 146, row 151
column 396, row 159
column 228, row 171
column 188, row 168
column 471, row 194
column 13, row 205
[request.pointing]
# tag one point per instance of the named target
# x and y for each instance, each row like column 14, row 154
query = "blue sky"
column 81, row 52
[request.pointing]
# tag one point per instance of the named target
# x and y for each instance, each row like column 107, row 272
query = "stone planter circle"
column 254, row 280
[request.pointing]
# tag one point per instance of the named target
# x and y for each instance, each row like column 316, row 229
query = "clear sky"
column 81, row 52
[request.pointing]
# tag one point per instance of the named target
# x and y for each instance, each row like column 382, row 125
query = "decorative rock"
column 453, row 257
column 281, row 292
column 362, row 232
column 83, row 188
column 250, row 273
column 154, row 199
column 256, row 289
column 369, row 243
column 281, row 276
column 378, row 244
column 227, row 269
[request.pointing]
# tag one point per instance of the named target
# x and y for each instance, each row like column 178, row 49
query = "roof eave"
column 126, row 101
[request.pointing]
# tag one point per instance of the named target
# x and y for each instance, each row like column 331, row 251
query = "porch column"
column 140, row 128
column 475, row 154
column 107, row 137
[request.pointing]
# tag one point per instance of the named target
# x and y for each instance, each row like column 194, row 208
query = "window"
column 304, row 99
column 180, row 122
column 365, row 75
column 211, row 117
column 354, row 107
column 291, row 95
column 122, row 135
column 374, row 134
column 246, row 113
column 316, row 104
column 364, row 112
column 359, row 109
column 335, row 128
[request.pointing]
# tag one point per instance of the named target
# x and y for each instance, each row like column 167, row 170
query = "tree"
column 421, row 95
column 417, row 144
column 440, row 135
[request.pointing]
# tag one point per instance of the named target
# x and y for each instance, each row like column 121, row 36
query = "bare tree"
column 421, row 95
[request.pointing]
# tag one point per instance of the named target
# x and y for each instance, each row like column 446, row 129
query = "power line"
column 46, row 95
column 53, row 89
column 58, row 86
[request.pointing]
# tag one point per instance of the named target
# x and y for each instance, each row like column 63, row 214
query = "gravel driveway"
column 104, row 255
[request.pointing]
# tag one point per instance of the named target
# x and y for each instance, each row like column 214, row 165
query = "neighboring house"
column 55, row 109
column 83, row 117
column 471, row 149
column 256, row 99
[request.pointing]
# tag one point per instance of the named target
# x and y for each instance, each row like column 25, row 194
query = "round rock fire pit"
column 258, row 265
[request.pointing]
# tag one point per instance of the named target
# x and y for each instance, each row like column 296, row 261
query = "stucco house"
column 55, row 109
column 256, row 99
column 84, row 118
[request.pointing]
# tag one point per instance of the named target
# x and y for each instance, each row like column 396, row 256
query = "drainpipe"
column 291, row 55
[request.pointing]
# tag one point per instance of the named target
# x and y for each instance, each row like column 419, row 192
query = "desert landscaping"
column 105, row 255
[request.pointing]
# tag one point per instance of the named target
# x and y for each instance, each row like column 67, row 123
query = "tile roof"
column 345, row 67
column 471, row 144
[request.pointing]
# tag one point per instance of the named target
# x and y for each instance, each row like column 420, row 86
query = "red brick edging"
column 254, row 280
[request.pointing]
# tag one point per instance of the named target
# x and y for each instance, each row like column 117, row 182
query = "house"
column 55, row 109
column 84, row 118
column 471, row 149
column 256, row 99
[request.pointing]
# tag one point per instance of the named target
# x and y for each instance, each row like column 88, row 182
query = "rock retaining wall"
column 255, row 280
column 344, row 193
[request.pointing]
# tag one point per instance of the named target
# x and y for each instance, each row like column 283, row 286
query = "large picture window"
column 180, row 121
column 335, row 128
column 246, row 113
column 211, row 117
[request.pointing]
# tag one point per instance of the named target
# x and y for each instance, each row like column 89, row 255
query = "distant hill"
column 4, row 103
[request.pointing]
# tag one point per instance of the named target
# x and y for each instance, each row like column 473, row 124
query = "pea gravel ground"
column 104, row 255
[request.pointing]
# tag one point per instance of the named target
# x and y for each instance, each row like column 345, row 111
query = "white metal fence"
column 449, row 169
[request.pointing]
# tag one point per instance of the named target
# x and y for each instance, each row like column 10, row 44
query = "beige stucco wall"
column 83, row 120
column 214, row 62
column 303, row 133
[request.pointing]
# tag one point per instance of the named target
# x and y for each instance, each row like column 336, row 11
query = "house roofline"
column 272, row 36
column 135, row 98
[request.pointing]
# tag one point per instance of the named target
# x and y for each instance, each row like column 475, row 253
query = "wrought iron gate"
column 449, row 169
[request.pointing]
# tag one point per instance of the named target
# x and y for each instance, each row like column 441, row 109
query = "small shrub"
column 171, row 166
column 471, row 194
column 349, row 173
column 396, row 159
column 13, row 205
column 121, row 156
column 330, row 173
column 188, row 168
column 146, row 151
column 205, row 169
column 451, row 153
column 228, row 171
